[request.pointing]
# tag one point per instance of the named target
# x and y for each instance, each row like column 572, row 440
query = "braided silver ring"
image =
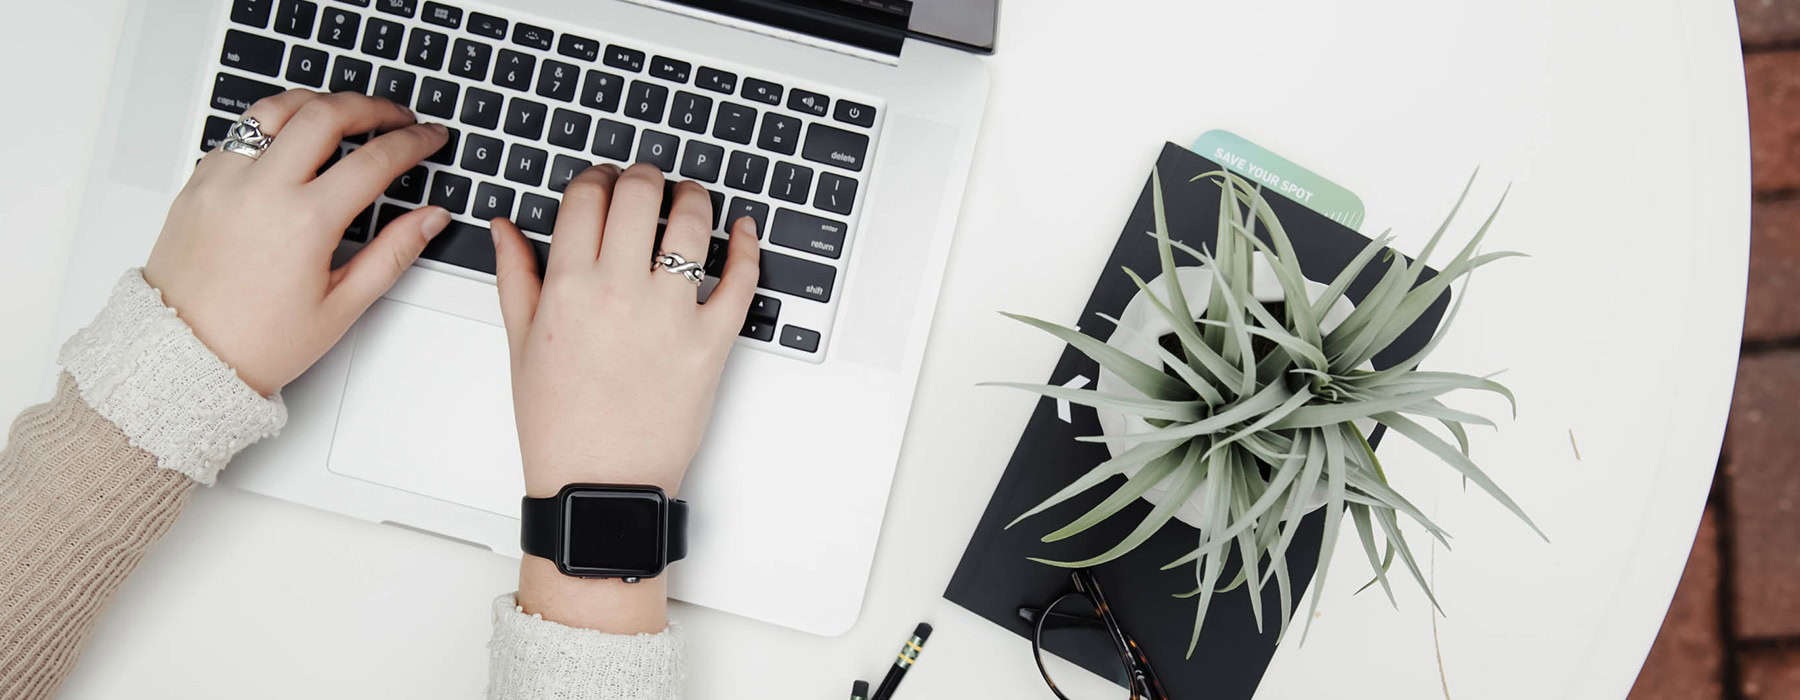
column 246, row 138
column 673, row 263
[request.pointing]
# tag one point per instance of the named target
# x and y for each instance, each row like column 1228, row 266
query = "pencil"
column 859, row 690
column 908, row 656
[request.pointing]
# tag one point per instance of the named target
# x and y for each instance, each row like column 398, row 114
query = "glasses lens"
column 1077, row 654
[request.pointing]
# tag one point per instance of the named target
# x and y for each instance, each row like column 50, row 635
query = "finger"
column 575, row 242
column 630, row 228
column 315, row 131
column 271, row 114
column 730, row 301
column 516, row 273
column 374, row 269
column 355, row 181
column 690, row 225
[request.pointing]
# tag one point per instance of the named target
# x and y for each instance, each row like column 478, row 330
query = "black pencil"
column 909, row 655
column 859, row 690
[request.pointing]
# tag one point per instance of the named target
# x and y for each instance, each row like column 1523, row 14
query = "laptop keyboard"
column 530, row 104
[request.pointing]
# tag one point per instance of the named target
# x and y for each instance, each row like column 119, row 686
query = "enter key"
column 813, row 234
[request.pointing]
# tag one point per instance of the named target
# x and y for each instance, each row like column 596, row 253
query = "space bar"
column 463, row 245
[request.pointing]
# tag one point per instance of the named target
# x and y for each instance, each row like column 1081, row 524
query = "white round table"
column 1619, row 124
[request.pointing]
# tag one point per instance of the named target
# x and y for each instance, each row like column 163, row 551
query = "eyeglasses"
column 1080, row 627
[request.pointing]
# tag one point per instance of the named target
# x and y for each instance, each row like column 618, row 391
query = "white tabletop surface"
column 1620, row 124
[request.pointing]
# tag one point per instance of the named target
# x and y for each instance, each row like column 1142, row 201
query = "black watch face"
column 614, row 533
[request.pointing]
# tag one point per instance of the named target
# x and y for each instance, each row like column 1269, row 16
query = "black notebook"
column 994, row 578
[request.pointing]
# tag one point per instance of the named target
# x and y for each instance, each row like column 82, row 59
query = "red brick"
column 1773, row 81
column 1772, row 309
column 1687, row 660
column 1764, row 22
column 1770, row 674
column 1763, row 462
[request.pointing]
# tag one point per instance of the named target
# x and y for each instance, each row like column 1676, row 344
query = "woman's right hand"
column 614, row 365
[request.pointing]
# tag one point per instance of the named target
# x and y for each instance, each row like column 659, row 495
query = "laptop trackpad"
column 428, row 409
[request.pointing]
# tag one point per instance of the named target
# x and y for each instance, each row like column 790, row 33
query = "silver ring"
column 246, row 138
column 673, row 263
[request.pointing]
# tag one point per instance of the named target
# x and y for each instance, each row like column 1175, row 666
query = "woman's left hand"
column 245, row 255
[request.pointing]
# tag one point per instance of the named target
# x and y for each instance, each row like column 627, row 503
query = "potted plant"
column 1238, row 396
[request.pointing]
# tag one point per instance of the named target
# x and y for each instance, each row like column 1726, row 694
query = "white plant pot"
column 1141, row 325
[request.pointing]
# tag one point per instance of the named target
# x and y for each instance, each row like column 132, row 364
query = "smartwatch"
column 605, row 530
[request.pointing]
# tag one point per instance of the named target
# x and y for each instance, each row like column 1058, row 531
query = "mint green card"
column 1279, row 174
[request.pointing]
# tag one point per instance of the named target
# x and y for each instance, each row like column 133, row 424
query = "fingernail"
column 750, row 224
column 494, row 233
column 434, row 223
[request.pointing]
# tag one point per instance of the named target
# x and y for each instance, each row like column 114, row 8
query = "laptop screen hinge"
column 857, row 27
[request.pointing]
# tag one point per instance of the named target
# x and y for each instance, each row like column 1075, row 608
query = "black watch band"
column 541, row 525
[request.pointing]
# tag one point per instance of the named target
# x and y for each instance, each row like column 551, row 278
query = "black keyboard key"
column 404, row 8
column 802, row 339
column 382, row 38
column 809, row 102
column 745, row 171
column 358, row 230
column 233, row 94
column 394, row 85
column 780, row 133
column 537, row 213
column 716, row 80
column 762, row 91
column 306, row 66
column 833, row 146
column 764, row 307
column 569, row 129
column 854, row 113
column 670, row 69
column 481, row 108
column 492, row 200
column 836, row 193
column 735, row 123
column 601, row 90
column 450, row 191
column 426, row 48
column 578, row 47
column 350, row 75
column 624, row 58
column 612, row 140
column 410, row 186
column 213, row 133
column 802, row 278
column 525, row 119
column 563, row 169
column 487, row 25
column 437, row 98
column 531, row 36
column 691, row 112
column 702, row 161
column 463, row 245
column 718, row 203
column 338, row 28
column 813, row 234
column 513, row 70
column 757, row 211
column 446, row 154
column 469, row 59
column 295, row 17
column 252, row 12
column 482, row 154
column 257, row 54
column 758, row 329
column 646, row 101
column 716, row 250
column 790, row 182
column 558, row 80
column 386, row 215
column 658, row 149
column 525, row 165
column 358, row 3
column 443, row 15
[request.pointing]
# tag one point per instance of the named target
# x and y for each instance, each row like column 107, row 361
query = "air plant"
column 1259, row 415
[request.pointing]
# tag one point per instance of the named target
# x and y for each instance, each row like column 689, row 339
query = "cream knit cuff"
column 531, row 658
column 138, row 365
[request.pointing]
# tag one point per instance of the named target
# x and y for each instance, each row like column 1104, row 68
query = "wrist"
column 606, row 605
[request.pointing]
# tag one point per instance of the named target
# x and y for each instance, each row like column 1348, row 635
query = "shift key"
column 802, row 278
column 813, row 234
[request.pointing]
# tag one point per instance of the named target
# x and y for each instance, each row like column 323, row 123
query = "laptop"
column 844, row 127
